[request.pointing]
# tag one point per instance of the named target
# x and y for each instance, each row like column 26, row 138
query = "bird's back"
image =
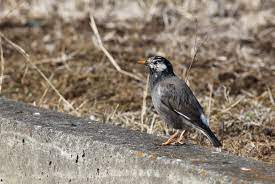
column 172, row 94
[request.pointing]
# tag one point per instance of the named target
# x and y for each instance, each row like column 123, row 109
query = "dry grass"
column 2, row 65
column 232, row 70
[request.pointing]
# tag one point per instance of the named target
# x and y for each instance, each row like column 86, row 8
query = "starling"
column 175, row 102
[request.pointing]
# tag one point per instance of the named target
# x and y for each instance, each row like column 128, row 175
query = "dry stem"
column 105, row 51
column 2, row 65
column 196, row 50
column 61, row 59
column 210, row 99
column 233, row 105
column 143, row 110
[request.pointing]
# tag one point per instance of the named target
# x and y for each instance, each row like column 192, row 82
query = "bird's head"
column 158, row 65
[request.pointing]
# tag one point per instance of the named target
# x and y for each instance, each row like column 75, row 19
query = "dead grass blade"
column 195, row 49
column 271, row 98
column 151, row 129
column 105, row 51
column 233, row 105
column 143, row 110
column 61, row 59
column 2, row 65
column 210, row 86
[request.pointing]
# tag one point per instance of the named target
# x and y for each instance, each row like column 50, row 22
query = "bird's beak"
column 143, row 62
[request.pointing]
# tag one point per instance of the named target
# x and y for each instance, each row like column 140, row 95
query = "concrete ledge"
column 42, row 146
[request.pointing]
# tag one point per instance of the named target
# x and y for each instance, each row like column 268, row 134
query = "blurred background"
column 52, row 57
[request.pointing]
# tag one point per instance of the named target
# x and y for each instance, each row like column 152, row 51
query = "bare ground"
column 233, row 75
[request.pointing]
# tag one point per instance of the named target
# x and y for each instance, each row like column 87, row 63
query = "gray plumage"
column 174, row 100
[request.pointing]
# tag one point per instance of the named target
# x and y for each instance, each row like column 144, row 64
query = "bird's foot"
column 180, row 139
column 172, row 139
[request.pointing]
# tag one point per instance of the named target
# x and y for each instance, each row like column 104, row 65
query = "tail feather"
column 211, row 136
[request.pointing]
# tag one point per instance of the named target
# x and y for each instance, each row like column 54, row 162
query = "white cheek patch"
column 160, row 67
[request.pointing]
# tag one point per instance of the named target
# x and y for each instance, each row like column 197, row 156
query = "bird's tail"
column 211, row 136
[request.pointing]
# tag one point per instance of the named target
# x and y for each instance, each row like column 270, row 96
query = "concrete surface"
column 42, row 146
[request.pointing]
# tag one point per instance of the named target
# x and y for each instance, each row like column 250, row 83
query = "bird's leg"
column 181, row 137
column 171, row 139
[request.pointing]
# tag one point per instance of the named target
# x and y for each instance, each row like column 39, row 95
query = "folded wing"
column 178, row 97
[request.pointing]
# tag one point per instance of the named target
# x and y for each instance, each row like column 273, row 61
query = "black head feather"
column 159, row 68
column 160, row 65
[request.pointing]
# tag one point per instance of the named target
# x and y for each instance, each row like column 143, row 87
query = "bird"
column 175, row 102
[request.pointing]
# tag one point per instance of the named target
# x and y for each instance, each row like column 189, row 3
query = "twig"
column 61, row 59
column 45, row 92
column 143, row 109
column 150, row 131
column 210, row 99
column 196, row 50
column 233, row 105
column 109, row 56
column 270, row 96
column 25, row 73
column 27, row 58
column 81, row 105
column 111, row 116
column 43, row 96
column 225, row 93
column 222, row 131
column 2, row 65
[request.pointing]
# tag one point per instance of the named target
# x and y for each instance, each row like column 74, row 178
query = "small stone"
column 245, row 169
column 36, row 114
column 92, row 117
column 75, row 124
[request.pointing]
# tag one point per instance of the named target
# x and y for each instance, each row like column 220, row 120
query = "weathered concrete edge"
column 42, row 146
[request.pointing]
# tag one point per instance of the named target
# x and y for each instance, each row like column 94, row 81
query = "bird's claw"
column 174, row 139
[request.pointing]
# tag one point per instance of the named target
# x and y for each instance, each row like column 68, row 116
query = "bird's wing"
column 178, row 97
